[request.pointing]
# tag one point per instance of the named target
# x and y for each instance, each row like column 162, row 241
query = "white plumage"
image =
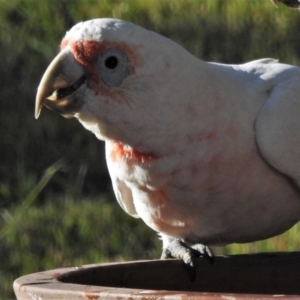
column 202, row 152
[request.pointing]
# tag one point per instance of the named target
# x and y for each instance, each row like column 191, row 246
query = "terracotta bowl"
column 260, row 276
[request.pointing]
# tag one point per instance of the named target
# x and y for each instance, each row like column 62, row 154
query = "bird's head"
column 117, row 79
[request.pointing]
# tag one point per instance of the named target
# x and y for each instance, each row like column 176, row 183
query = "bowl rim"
column 50, row 284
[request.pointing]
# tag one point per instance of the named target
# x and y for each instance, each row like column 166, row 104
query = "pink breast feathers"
column 122, row 152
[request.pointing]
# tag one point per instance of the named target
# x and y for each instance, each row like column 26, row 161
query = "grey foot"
column 178, row 249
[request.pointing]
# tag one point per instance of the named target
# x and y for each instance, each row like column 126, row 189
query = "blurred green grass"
column 61, row 214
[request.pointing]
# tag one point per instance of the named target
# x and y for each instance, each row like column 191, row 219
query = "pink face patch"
column 87, row 52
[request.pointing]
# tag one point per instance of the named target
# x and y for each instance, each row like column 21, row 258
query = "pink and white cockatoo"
column 204, row 153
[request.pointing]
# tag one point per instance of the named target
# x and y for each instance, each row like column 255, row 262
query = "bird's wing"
column 124, row 196
column 278, row 122
column 122, row 191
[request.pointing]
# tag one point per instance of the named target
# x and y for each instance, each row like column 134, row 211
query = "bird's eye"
column 111, row 62
column 113, row 66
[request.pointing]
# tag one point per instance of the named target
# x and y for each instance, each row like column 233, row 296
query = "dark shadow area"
column 246, row 274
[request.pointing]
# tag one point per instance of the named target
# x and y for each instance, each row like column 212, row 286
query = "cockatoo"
column 204, row 153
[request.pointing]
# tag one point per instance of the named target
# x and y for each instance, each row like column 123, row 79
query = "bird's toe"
column 204, row 251
column 178, row 249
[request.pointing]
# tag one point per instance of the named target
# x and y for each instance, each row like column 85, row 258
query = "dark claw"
column 178, row 249
column 205, row 251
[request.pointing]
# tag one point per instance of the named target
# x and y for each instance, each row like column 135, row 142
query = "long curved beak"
column 61, row 80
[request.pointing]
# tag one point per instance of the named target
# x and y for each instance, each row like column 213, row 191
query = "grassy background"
column 56, row 203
